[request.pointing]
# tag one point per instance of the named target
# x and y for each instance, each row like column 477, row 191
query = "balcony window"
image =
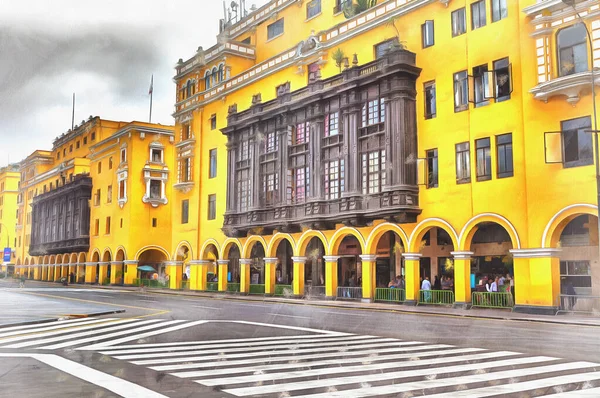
column 155, row 189
column 97, row 198
column 185, row 132
column 504, row 153
column 427, row 34
column 373, row 171
column 302, row 133
column 298, row 185
column 243, row 193
column 577, row 144
column 122, row 190
column 272, row 143
column 332, row 126
column 502, row 79
column 572, row 50
column 334, row 179
column 432, row 168
column 461, row 91
column 459, row 22
column 313, row 8
column 341, row 4
column 478, row 15
column 207, row 80
column 484, row 159
column 499, row 10
column 481, row 84
column 244, row 151
column 156, row 155
column 373, row 112
column 463, row 163
column 212, row 207
column 275, row 29
column 270, row 187
column 430, row 106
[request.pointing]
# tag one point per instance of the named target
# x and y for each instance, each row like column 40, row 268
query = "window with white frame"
column 459, row 22
column 185, row 170
column 373, row 112
column 302, row 133
column 155, row 189
column 272, row 142
column 156, row 155
column 334, row 179
column 122, row 189
column 461, row 91
column 123, row 155
column 463, row 163
column 373, row 171
column 332, row 126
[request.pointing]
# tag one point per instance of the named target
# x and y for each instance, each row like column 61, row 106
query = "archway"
column 118, row 267
column 284, row 268
column 93, row 269
column 314, row 268
column 183, row 257
column 232, row 252
column 105, row 276
column 257, row 265
column 154, row 258
column 491, row 244
column 349, row 269
column 81, row 268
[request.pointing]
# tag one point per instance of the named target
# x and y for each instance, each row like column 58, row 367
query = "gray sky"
column 104, row 51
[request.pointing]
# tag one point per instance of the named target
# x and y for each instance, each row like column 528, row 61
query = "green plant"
column 397, row 44
column 351, row 8
column 338, row 56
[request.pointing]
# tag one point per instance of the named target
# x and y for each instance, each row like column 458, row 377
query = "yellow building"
column 94, row 211
column 447, row 139
column 9, row 196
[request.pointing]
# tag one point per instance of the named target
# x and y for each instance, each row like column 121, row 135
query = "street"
column 181, row 346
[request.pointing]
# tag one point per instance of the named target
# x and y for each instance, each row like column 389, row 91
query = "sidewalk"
column 473, row 313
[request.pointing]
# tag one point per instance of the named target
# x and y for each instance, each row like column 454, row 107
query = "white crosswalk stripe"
column 353, row 366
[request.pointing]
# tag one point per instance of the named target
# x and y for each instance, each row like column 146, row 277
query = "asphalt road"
column 157, row 323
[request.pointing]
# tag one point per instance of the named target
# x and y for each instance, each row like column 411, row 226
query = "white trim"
column 462, row 232
column 412, row 256
column 270, row 260
column 331, row 259
column 223, row 262
column 446, row 223
column 546, row 230
column 245, row 261
column 466, row 255
column 368, row 257
column 299, row 259
column 535, row 253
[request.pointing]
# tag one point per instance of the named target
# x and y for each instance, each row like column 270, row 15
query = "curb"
column 71, row 316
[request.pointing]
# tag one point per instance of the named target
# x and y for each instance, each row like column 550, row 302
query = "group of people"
column 397, row 283
column 443, row 283
column 495, row 284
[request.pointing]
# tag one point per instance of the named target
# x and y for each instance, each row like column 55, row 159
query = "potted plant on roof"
column 352, row 8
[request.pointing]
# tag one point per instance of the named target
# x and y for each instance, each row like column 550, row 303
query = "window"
column 382, row 48
column 58, row 156
column 502, row 79
column 272, row 143
column 185, row 211
column 212, row 207
column 96, row 227
column 243, row 191
column 247, row 40
column 213, row 122
column 207, row 80
column 459, row 22
column 154, row 222
column 578, row 274
column 334, row 179
column 109, row 194
column 572, row 50
column 504, row 152
column 107, row 229
column 185, row 170
column 340, row 4
column 373, row 112
column 481, row 83
column 84, row 140
column 302, row 133
column 427, row 34
column 64, row 152
column 156, row 155
column 70, row 148
column 461, row 91
column 123, row 155
column 275, row 29
column 432, row 168
column 484, row 159
column 577, row 144
column 245, row 150
column 499, row 10
column 299, row 184
column 185, row 132
column 270, row 187
column 478, row 14
column 332, row 124
column 373, row 171
column 93, row 137
column 430, row 108
column 155, row 189
column 99, row 167
column 121, row 223
column 77, row 145
column 463, row 163
column 97, row 198
column 122, row 189
column 213, row 163
column 313, row 8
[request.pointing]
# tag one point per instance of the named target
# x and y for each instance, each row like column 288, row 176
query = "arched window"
column 572, row 50
column 214, row 75
column 188, row 89
column 221, row 73
column 207, row 80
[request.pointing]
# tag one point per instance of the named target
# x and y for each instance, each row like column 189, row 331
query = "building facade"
column 9, row 197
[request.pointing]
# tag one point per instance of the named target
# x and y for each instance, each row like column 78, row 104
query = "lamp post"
column 595, row 131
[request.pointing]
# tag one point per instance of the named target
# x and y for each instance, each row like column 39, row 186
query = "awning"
column 146, row 268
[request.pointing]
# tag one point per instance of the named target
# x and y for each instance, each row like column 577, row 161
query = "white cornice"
column 137, row 128
column 569, row 86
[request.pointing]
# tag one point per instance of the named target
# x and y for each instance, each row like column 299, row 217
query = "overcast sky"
column 104, row 51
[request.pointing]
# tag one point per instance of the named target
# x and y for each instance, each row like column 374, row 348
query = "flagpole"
column 151, row 92
column 73, row 114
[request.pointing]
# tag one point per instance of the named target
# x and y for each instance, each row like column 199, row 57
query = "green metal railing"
column 149, row 283
column 185, row 285
column 282, row 290
column 391, row 295
column 212, row 286
column 492, row 300
column 233, row 287
column 436, row 297
column 257, row 289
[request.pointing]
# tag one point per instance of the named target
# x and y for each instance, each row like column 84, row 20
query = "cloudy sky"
column 104, row 51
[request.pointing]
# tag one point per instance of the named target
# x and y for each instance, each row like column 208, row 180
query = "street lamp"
column 595, row 131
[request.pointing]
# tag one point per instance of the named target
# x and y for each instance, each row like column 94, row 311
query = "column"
column 36, row 273
column 537, row 280
column 350, row 117
column 131, row 272
column 223, row 270
column 298, row 278
column 231, row 150
column 174, row 270
column 194, row 270
column 57, row 272
column 65, row 271
column 73, row 269
column 80, row 272
column 90, row 273
column 368, row 277
column 44, row 271
column 331, row 276
column 462, row 278
column 270, row 279
column 245, row 275
column 412, row 278
column 116, row 274
column 201, row 268
column 103, row 274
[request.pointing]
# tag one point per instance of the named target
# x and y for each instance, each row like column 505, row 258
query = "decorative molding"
column 245, row 261
column 270, row 260
column 466, row 255
column 331, row 259
column 131, row 262
column 223, row 262
column 534, row 253
column 412, row 256
column 368, row 257
column 184, row 187
column 570, row 86
column 299, row 259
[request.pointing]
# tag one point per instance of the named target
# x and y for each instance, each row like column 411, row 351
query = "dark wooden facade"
column 61, row 219
column 341, row 150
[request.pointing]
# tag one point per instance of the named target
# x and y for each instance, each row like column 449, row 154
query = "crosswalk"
column 87, row 333
column 352, row 366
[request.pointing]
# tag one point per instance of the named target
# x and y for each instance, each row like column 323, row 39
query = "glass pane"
column 580, row 57
column 579, row 268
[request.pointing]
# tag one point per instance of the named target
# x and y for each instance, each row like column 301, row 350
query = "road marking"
column 89, row 331
column 147, row 300
column 70, row 326
column 143, row 335
column 116, row 385
column 344, row 313
column 270, row 325
column 531, row 385
column 289, row 316
column 37, row 325
column 206, row 307
column 317, row 339
column 102, row 295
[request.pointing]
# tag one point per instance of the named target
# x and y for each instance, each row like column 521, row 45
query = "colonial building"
column 414, row 138
column 9, row 196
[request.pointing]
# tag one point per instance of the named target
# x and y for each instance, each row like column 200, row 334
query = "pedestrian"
column 437, row 284
column 22, row 283
column 72, row 277
column 426, row 287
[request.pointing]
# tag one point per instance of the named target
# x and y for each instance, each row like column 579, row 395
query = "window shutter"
column 421, row 171
column 553, row 150
column 489, row 79
column 471, row 82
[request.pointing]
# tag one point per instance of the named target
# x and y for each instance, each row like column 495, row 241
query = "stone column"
column 368, row 277
column 537, row 280
column 412, row 277
column 270, row 275
column 231, row 178
column 103, row 274
column 131, row 274
column 223, row 271
column 315, row 164
column 462, row 278
column 194, row 271
column 245, row 275
column 298, row 278
column 331, row 276
column 173, row 269
column 350, row 120
column 116, row 274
